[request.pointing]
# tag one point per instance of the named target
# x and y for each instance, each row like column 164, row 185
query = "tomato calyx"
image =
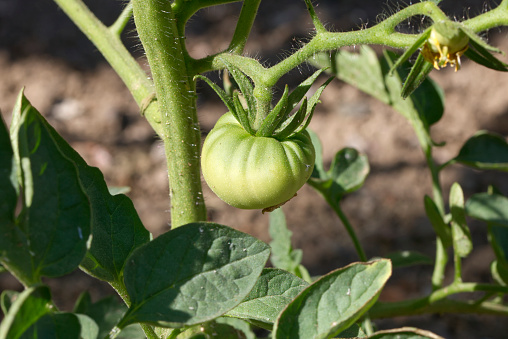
column 278, row 123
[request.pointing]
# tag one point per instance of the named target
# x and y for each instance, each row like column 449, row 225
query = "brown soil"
column 70, row 84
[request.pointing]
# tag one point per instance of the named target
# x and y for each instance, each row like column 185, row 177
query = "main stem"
column 176, row 95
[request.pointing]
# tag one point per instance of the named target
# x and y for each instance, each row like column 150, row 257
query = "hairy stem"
column 176, row 96
column 244, row 26
column 111, row 47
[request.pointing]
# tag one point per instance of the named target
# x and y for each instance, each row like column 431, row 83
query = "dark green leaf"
column 334, row 302
column 347, row 173
column 485, row 150
column 353, row 331
column 27, row 309
column 273, row 291
column 273, row 118
column 8, row 184
column 283, row 254
column 405, row 333
column 498, row 237
column 107, row 313
column 50, row 235
column 499, row 272
column 192, row 274
column 56, row 325
column 408, row 258
column 439, row 225
column 462, row 242
column 221, row 328
column 89, row 328
column 491, row 208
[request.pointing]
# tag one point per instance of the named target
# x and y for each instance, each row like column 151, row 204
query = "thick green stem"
column 176, row 96
column 244, row 26
column 111, row 47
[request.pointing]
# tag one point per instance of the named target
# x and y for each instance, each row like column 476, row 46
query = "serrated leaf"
column 334, row 302
column 462, row 242
column 55, row 325
column 484, row 150
column 487, row 207
column 192, row 274
column 408, row 258
column 283, row 254
column 50, row 234
column 29, row 306
column 277, row 114
column 107, row 313
column 437, row 222
column 273, row 291
column 405, row 333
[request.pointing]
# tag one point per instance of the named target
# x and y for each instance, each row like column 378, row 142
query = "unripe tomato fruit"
column 254, row 172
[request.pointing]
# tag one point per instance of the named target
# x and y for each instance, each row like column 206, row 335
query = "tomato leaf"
column 492, row 208
column 337, row 299
column 273, row 291
column 461, row 236
column 405, row 333
column 354, row 332
column 283, row 254
column 50, row 234
column 484, row 150
column 8, row 184
column 107, row 313
column 60, row 325
column 347, row 173
column 27, row 308
column 192, row 274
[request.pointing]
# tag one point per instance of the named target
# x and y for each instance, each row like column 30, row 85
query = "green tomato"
column 254, row 172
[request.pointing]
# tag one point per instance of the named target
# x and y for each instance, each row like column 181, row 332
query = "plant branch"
column 113, row 50
column 176, row 95
column 123, row 19
column 437, row 302
column 244, row 26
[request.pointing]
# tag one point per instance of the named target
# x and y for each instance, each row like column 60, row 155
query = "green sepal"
column 240, row 114
column 480, row 52
column 223, row 95
column 411, row 50
column 273, row 119
column 299, row 92
column 292, row 123
column 416, row 76
column 246, row 88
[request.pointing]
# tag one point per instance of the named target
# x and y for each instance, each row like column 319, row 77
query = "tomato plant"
column 203, row 279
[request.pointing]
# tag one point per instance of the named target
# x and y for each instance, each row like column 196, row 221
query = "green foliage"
column 205, row 280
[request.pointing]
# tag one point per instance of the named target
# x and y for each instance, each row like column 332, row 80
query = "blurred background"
column 70, row 83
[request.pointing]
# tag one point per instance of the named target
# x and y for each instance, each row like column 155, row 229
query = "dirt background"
column 73, row 87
